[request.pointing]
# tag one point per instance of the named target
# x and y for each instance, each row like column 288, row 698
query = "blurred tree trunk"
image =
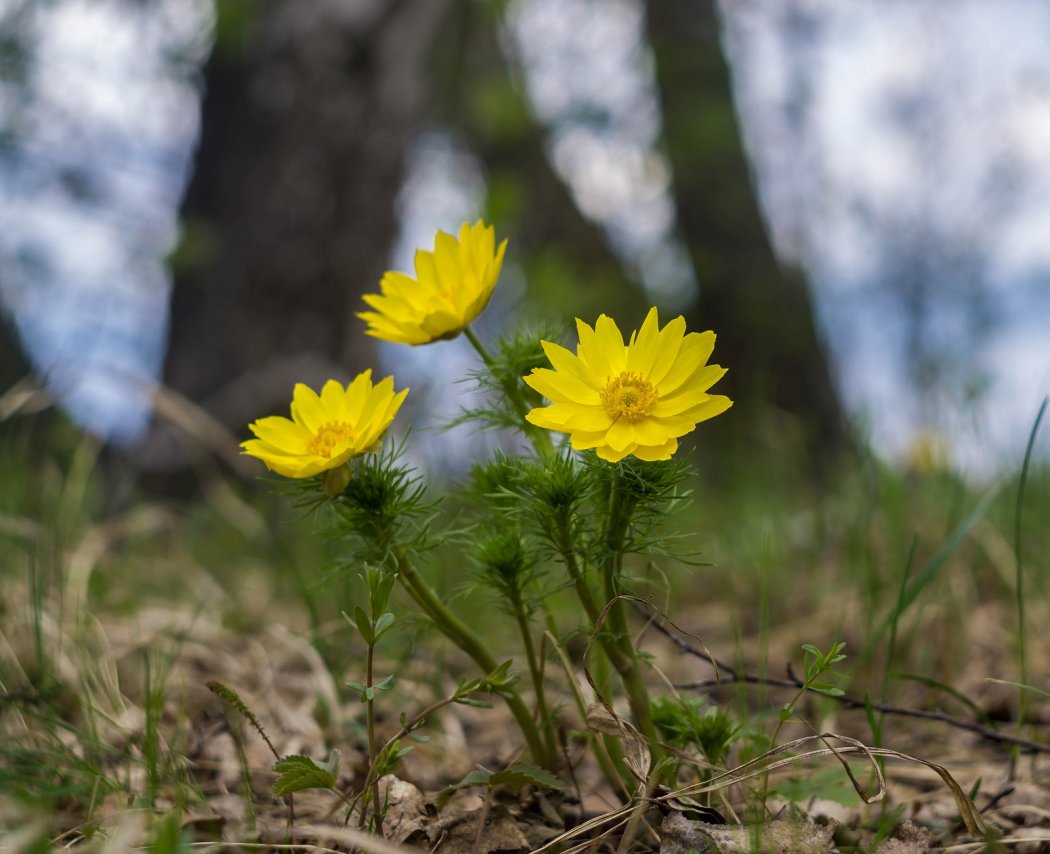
column 14, row 365
column 289, row 216
column 27, row 417
column 569, row 265
column 761, row 311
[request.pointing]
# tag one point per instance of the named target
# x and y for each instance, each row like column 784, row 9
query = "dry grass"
column 113, row 624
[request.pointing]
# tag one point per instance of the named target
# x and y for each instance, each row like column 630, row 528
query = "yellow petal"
column 620, row 434
column 582, row 441
column 645, row 345
column 306, row 408
column 657, row 452
column 543, row 418
column 668, row 346
column 333, row 400
column 453, row 285
column 716, row 404
column 579, row 417
column 280, row 432
column 695, row 351
column 565, row 362
column 561, row 387
column 611, row 342
column 357, row 394
column 610, row 454
column 590, row 351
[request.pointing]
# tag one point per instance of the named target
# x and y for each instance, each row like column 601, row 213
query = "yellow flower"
column 453, row 285
column 635, row 399
column 325, row 430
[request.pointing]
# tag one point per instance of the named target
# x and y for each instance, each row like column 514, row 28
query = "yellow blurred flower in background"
column 453, row 285
column 325, row 429
column 629, row 399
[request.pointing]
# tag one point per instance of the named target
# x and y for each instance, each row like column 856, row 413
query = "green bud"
column 335, row 481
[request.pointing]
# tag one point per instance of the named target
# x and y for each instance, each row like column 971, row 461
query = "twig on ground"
column 729, row 675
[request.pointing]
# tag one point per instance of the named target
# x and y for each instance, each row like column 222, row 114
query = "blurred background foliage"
column 197, row 194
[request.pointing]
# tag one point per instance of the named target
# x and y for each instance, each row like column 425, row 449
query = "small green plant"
column 816, row 665
column 623, row 406
column 696, row 725
column 559, row 517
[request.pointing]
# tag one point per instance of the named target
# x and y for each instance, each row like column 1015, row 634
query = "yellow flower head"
column 453, row 285
column 637, row 398
column 325, row 430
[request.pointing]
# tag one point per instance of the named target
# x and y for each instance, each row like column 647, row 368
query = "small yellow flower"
column 453, row 285
column 325, row 430
column 637, row 398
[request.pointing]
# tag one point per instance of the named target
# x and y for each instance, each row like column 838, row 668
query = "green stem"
column 1022, row 634
column 370, row 778
column 370, row 714
column 541, row 440
column 612, row 650
column 550, row 741
column 456, row 631
column 626, row 662
column 607, row 749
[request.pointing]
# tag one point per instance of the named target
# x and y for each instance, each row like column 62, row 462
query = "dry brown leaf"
column 679, row 835
column 406, row 813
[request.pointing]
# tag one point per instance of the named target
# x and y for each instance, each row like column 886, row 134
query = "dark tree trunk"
column 761, row 311
column 14, row 365
column 290, row 214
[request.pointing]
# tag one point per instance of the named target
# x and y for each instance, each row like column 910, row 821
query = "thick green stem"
column 456, row 631
column 550, row 742
column 579, row 583
column 626, row 662
column 610, row 646
column 541, row 440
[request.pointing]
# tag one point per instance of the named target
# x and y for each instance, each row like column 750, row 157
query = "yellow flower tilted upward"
column 325, row 429
column 453, row 285
column 623, row 399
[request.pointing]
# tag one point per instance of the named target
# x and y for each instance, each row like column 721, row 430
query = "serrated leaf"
column 516, row 777
column 480, row 777
column 299, row 773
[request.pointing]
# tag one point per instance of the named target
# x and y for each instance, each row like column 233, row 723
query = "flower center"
column 330, row 435
column 628, row 395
